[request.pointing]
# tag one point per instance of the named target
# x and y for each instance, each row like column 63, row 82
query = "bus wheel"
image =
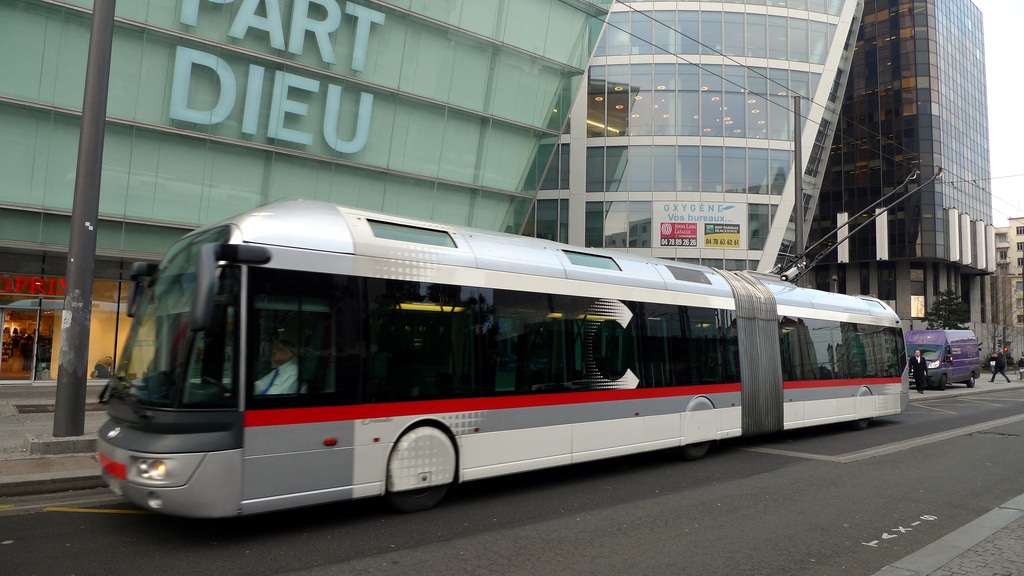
column 421, row 467
column 696, row 451
column 861, row 424
column 942, row 382
column 416, row 500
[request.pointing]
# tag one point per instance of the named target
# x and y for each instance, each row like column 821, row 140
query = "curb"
column 50, row 482
column 46, row 445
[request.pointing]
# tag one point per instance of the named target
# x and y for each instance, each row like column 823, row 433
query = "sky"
column 1002, row 20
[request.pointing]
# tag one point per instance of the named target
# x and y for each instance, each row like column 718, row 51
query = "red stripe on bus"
column 392, row 409
column 290, row 416
column 804, row 384
column 115, row 469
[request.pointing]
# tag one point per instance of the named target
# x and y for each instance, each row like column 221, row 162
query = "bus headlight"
column 163, row 470
column 152, row 469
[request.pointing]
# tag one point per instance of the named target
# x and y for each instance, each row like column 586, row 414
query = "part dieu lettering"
column 284, row 83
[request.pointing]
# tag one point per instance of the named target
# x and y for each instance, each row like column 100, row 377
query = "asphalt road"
column 816, row 502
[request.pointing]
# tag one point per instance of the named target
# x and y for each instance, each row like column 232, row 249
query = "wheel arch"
column 426, row 422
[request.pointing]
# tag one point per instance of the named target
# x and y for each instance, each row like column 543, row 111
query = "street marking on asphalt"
column 94, row 510
column 902, row 531
column 891, row 448
column 935, row 408
column 1003, row 399
column 3, row 506
column 972, row 400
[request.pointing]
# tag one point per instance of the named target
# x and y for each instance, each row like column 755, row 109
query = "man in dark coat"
column 919, row 370
column 1000, row 366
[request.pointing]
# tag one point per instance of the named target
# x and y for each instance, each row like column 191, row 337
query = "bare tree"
column 1001, row 328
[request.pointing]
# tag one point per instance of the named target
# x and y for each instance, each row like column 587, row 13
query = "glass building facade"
column 916, row 101
column 682, row 143
column 410, row 107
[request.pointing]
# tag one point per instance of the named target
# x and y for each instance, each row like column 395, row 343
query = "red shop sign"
column 32, row 285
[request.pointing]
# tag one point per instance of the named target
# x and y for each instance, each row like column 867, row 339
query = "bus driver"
column 284, row 378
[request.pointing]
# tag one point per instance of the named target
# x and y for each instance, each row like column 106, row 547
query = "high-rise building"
column 687, row 150
column 682, row 142
column 916, row 104
column 413, row 107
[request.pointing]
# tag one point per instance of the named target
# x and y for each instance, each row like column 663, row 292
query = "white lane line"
column 895, row 446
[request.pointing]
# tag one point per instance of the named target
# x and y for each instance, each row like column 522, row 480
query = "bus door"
column 302, row 369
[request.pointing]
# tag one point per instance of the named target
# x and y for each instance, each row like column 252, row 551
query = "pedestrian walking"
column 1020, row 367
column 919, row 370
column 998, row 366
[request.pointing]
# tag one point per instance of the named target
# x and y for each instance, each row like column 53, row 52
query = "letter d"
column 184, row 60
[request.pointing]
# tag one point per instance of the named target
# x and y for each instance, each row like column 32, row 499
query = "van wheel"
column 942, row 382
column 970, row 381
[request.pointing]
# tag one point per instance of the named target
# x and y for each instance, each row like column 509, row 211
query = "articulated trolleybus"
column 306, row 353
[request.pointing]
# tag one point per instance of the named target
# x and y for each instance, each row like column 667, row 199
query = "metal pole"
column 798, row 177
column 69, row 409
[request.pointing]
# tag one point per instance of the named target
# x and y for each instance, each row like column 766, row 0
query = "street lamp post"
column 69, row 406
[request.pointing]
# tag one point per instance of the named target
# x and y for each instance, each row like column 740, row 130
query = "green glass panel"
column 481, row 16
column 460, row 144
column 19, row 226
column 114, row 179
column 414, row 139
column 506, row 156
column 427, row 69
column 495, row 212
column 408, row 197
column 452, row 205
column 150, row 239
column 24, row 69
column 358, row 188
column 55, row 229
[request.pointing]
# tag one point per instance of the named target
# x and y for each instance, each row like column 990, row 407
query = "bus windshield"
column 163, row 363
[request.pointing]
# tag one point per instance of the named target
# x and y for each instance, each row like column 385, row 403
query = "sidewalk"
column 33, row 462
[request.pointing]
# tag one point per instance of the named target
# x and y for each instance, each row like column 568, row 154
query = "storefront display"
column 30, row 308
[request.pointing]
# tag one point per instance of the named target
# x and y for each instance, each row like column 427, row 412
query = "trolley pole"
column 69, row 409
column 798, row 179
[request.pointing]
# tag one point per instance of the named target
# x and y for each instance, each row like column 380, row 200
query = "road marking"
column 901, row 530
column 3, row 506
column 936, row 409
column 980, row 402
column 891, row 448
column 94, row 510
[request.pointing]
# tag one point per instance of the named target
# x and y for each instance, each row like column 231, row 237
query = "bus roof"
column 321, row 226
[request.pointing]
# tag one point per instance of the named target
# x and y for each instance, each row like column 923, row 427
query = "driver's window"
column 293, row 336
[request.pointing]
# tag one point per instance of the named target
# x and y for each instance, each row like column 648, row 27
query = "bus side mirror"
column 206, row 276
column 140, row 275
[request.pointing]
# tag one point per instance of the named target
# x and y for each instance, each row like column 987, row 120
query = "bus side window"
column 320, row 327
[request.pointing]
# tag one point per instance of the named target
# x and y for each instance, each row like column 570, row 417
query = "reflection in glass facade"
column 681, row 143
column 410, row 107
column 916, row 100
